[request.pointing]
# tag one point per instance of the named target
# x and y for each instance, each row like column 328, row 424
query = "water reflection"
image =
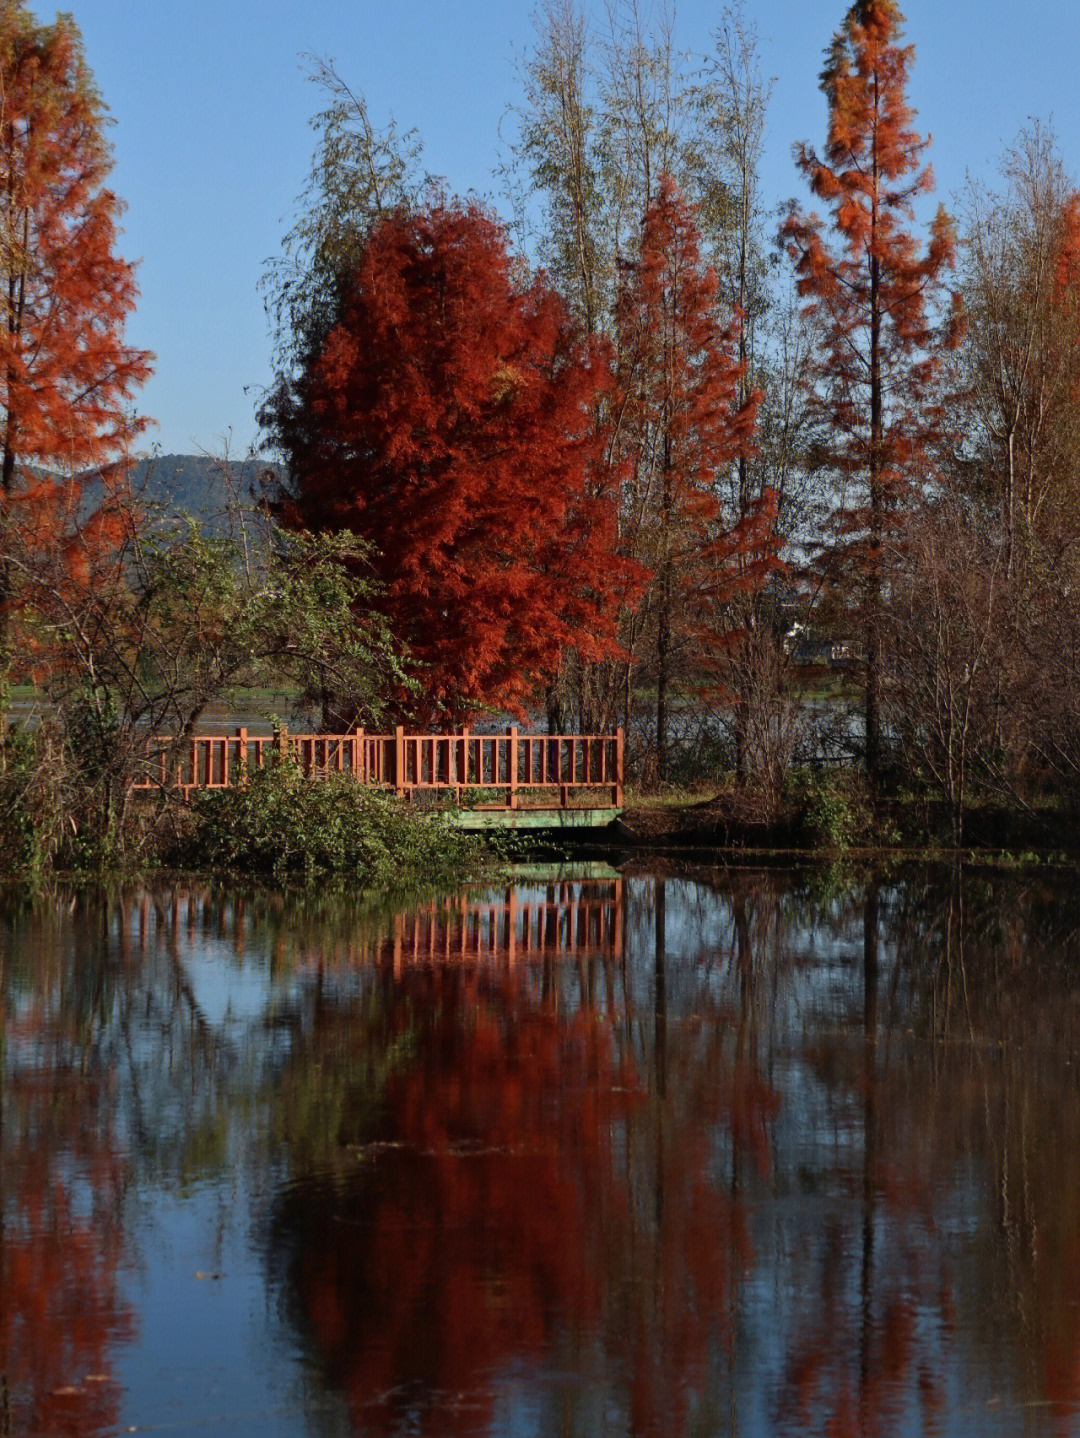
column 752, row 1153
column 62, row 1179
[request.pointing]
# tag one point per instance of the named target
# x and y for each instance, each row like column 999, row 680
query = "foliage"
column 26, row 804
column 944, row 638
column 166, row 622
column 680, row 422
column 281, row 823
column 447, row 423
column 878, row 368
column 173, row 618
column 359, row 175
column 66, row 375
column 569, row 490
column 833, row 807
column 1020, row 368
column 985, row 618
column 58, row 790
column 603, row 117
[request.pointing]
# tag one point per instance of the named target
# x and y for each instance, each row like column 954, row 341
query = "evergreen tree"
column 680, row 421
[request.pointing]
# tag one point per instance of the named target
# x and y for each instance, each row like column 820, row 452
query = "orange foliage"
column 678, row 383
column 448, row 420
column 873, row 296
column 873, row 292
column 66, row 376
column 679, row 421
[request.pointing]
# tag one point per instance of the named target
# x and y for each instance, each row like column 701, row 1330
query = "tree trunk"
column 554, row 711
column 875, row 577
column 663, row 649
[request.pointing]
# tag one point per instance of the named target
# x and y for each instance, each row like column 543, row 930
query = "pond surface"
column 759, row 1153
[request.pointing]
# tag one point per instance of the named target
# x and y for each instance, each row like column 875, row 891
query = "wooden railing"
column 484, row 771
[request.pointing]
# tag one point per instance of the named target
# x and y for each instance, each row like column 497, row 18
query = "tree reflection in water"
column 540, row 1181
column 62, row 1181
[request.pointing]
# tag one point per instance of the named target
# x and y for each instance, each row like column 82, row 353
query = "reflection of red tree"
column 690, row 1247
column 877, row 1302
column 480, row 1232
column 60, row 1248
column 513, row 1212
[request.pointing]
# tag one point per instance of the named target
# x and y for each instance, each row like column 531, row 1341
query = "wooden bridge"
column 568, row 775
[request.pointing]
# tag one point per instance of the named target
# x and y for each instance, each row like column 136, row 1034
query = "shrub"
column 282, row 823
column 833, row 807
column 28, row 807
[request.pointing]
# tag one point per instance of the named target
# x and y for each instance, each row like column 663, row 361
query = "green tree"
column 359, row 175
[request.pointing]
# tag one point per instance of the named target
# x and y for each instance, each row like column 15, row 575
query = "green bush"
column 282, row 824
column 28, row 810
column 833, row 807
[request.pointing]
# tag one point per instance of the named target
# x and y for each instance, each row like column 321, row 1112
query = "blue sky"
column 213, row 146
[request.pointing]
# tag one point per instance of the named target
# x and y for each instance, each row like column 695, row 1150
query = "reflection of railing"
column 579, row 919
column 487, row 771
column 571, row 920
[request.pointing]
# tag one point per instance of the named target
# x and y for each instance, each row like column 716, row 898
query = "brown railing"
column 484, row 771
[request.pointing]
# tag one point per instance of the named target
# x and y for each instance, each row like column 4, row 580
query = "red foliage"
column 879, row 365
column 65, row 373
column 678, row 377
column 448, row 421
column 1067, row 259
column 681, row 423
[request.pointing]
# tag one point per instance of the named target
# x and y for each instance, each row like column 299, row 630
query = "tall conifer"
column 681, row 420
column 66, row 375
column 874, row 292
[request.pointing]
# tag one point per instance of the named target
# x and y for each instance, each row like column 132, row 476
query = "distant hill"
column 179, row 486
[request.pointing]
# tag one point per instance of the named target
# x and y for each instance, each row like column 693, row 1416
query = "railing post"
column 360, row 759
column 464, row 760
column 619, row 754
column 399, row 759
column 241, row 754
column 513, row 767
column 281, row 737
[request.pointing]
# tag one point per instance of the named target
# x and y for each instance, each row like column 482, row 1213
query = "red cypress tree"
column 448, row 421
column 66, row 375
column 873, row 293
column 680, row 422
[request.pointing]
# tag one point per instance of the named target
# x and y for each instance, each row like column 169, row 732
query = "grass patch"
column 673, row 796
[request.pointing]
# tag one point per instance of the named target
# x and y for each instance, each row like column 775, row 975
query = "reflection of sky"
column 228, row 989
column 213, row 1352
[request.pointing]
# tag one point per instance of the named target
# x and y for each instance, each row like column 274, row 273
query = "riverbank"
column 836, row 815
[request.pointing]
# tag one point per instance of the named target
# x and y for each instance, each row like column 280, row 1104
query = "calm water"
column 756, row 1154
